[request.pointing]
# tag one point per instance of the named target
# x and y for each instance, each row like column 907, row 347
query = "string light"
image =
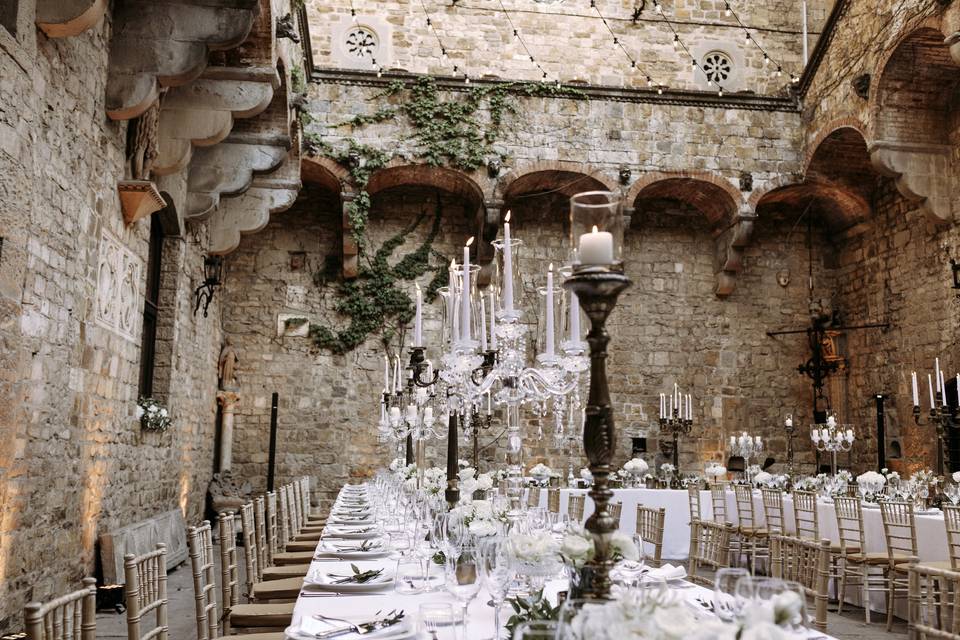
column 617, row 43
column 750, row 39
column 443, row 50
column 516, row 34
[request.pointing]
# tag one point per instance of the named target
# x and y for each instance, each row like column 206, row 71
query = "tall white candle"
column 493, row 322
column 418, row 321
column 452, row 302
column 507, row 266
column 386, row 374
column 396, row 376
column 943, row 389
column 936, row 372
column 958, row 389
column 596, row 247
column 465, row 311
column 916, row 392
column 550, row 323
column 671, row 407
column 689, row 408
column 663, row 401
column 483, row 324
column 574, row 318
column 933, row 404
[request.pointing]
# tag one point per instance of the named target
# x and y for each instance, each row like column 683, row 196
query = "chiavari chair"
column 693, row 501
column 773, row 510
column 282, row 589
column 900, row 531
column 146, row 593
column 754, row 540
column 615, row 509
column 278, row 565
column 235, row 614
column 711, row 549
column 929, row 609
column 650, row 523
column 575, row 504
column 805, row 515
column 718, row 499
column 533, row 497
column 855, row 564
column 72, row 616
column 553, row 500
column 806, row 562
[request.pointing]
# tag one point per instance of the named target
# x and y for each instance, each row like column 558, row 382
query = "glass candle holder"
column 509, row 292
column 551, row 313
column 467, row 334
column 596, row 231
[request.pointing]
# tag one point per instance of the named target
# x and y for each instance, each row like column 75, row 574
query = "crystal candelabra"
column 746, row 447
column 676, row 418
column 832, row 437
column 941, row 414
column 791, row 431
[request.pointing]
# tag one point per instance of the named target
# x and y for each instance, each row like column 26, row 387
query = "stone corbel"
column 488, row 225
column 922, row 173
column 730, row 248
column 351, row 250
column 202, row 114
column 67, row 18
column 166, row 44
column 227, row 169
column 138, row 199
column 953, row 42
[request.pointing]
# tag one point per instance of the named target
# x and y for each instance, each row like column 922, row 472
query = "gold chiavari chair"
column 806, row 562
column 146, row 592
column 70, row 617
column 773, row 510
column 615, row 509
column 693, row 501
column 278, row 589
column 900, row 531
column 855, row 564
column 259, row 521
column 929, row 609
column 533, row 497
column 289, row 552
column 718, row 499
column 754, row 540
column 805, row 516
column 553, row 500
column 235, row 614
column 650, row 523
column 575, row 506
column 711, row 549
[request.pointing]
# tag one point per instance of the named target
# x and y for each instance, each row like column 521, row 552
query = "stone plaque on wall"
column 296, row 296
column 118, row 306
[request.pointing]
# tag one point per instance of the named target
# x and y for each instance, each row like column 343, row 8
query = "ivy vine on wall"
column 459, row 133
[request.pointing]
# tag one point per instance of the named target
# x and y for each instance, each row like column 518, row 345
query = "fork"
column 354, row 627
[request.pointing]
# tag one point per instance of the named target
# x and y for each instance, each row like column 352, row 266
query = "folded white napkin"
column 667, row 572
column 309, row 627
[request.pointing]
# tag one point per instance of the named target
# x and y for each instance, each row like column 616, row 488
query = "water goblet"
column 727, row 601
column 463, row 577
column 496, row 565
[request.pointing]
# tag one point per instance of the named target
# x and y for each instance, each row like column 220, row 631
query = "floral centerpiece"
column 541, row 473
column 667, row 471
column 871, row 485
column 634, row 469
column 433, row 483
column 471, row 483
column 152, row 415
column 537, row 556
column 479, row 517
column 715, row 472
column 808, row 483
column 577, row 549
column 587, row 476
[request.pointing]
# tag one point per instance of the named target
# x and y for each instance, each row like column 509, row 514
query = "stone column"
column 228, row 400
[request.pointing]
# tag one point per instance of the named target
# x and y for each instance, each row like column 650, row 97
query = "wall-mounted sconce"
column 212, row 277
column 955, row 266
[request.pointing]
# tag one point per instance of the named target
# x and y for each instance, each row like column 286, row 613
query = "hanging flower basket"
column 152, row 415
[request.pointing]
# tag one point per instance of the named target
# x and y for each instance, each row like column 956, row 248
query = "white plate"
column 348, row 533
column 319, row 579
column 401, row 631
column 352, row 522
column 352, row 555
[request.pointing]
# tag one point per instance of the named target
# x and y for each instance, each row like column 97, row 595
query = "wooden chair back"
column 743, row 493
column 533, row 497
column 711, row 549
column 718, row 497
column 553, row 500
column 849, row 514
column 283, row 520
column 773, row 509
column 265, row 556
column 927, row 611
column 146, row 592
column 693, row 499
column 806, row 562
column 305, row 496
column 229, row 571
column 296, row 498
column 575, row 506
column 273, row 525
column 650, row 527
column 200, row 544
column 616, row 510
column 899, row 528
column 805, row 517
column 951, row 520
column 70, row 617
column 251, row 552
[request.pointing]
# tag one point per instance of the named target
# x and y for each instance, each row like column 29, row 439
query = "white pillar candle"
column 670, row 415
column 596, row 247
column 394, row 414
column 574, row 318
column 396, row 375
column 550, row 319
column 411, row 413
column 757, row 439
column 661, row 405
column 689, row 408
column 850, row 435
column 483, row 324
column 936, row 372
column 507, row 266
column 958, row 389
column 386, row 374
column 465, row 311
column 428, row 414
column 831, row 421
column 943, row 389
column 418, row 321
column 733, row 441
column 933, row 404
column 815, row 436
column 452, row 302
column 493, row 322
column 916, row 394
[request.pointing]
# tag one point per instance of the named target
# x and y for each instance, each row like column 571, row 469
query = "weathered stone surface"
column 142, row 537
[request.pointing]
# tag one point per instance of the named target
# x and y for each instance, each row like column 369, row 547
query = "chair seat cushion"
column 835, row 548
column 755, row 532
column 261, row 615
column 272, row 635
column 877, row 558
column 293, row 557
column 938, row 564
column 309, row 545
column 282, row 589
column 287, row 571
column 308, row 536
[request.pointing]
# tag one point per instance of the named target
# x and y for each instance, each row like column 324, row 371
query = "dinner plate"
column 320, row 579
column 309, row 627
column 351, row 533
column 345, row 520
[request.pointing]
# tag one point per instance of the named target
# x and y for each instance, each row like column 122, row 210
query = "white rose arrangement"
column 535, row 548
column 471, row 482
column 924, row 476
column 762, row 479
column 396, row 465
column 667, row 469
column 715, row 470
column 577, row 547
column 807, row 483
column 843, row 473
column 636, row 467
column 541, row 470
column 956, row 477
column 152, row 415
column 480, row 518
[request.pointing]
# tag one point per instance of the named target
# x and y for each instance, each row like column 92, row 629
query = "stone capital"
column 228, row 400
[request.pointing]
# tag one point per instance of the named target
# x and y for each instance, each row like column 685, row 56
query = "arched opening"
column 683, row 197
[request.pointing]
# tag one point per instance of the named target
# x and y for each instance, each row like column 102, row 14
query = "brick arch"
column 544, row 175
column 712, row 195
column 327, row 173
column 398, row 173
column 824, row 132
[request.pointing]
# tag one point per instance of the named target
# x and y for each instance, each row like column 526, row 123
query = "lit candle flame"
column 507, row 217
column 550, row 268
column 594, row 228
column 469, row 242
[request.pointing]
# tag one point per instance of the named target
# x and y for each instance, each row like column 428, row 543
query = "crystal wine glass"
column 463, row 576
column 727, row 601
column 496, row 564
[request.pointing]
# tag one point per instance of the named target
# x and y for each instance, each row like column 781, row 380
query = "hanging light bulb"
column 676, row 41
column 720, row 93
column 380, row 72
column 709, row 82
column 779, row 71
column 659, row 91
column 766, row 59
column 649, row 81
column 466, row 79
column 729, row 10
column 353, row 17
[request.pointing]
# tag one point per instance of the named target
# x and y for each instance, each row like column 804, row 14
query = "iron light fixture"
column 955, row 266
column 212, row 276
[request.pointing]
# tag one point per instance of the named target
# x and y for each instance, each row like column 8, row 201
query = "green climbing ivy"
column 445, row 132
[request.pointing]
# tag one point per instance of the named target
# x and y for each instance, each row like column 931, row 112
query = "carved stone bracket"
column 953, row 42
column 922, row 173
column 166, row 44
column 730, row 248
column 227, row 169
column 488, row 225
column 66, row 18
column 138, row 199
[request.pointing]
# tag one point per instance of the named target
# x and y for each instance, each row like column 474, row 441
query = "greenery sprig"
column 525, row 610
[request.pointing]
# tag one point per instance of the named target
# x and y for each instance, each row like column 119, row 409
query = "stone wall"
column 479, row 40
column 74, row 461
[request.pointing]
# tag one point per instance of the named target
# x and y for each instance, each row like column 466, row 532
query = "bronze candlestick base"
column 598, row 290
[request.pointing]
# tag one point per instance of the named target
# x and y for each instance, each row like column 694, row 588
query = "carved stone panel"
column 118, row 305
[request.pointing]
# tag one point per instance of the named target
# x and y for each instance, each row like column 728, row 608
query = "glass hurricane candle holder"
column 506, row 278
column 467, row 335
column 596, row 231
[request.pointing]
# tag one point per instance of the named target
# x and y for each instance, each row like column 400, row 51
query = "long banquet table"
column 481, row 616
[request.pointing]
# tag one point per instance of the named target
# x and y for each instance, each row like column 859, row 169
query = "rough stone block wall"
column 74, row 461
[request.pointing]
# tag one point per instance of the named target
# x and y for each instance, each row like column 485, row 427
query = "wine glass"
column 536, row 630
column 496, row 565
column 727, row 601
column 788, row 600
column 463, row 576
column 537, row 518
column 437, row 621
column 631, row 571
